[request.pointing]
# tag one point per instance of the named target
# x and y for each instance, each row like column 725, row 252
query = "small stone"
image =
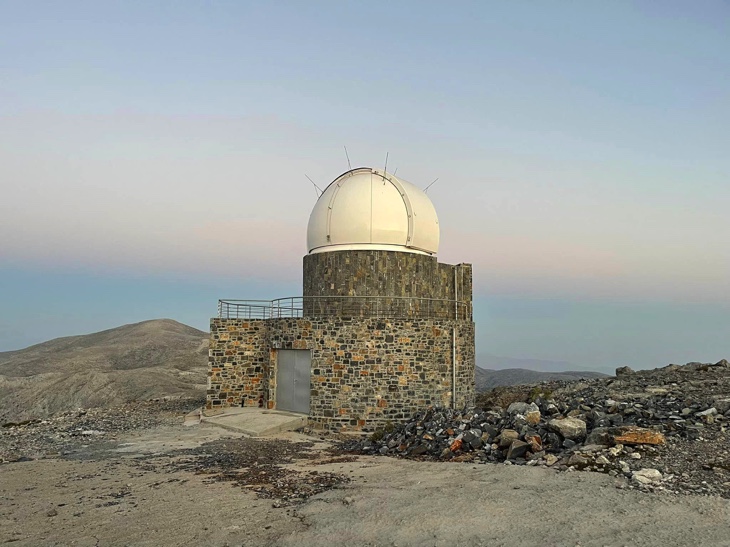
column 578, row 461
column 638, row 435
column 635, row 455
column 348, row 500
column 709, row 412
column 551, row 459
column 507, row 437
column 646, row 476
column 517, row 449
column 551, row 409
column 51, row 512
column 518, row 408
column 599, row 436
column 535, row 442
column 533, row 418
column 624, row 371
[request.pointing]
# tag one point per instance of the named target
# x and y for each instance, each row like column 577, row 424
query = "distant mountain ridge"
column 487, row 379
column 144, row 360
column 497, row 362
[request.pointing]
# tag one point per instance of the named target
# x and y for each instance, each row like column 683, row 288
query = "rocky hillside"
column 158, row 358
column 487, row 379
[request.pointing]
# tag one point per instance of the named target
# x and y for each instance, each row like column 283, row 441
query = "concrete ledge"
column 254, row 422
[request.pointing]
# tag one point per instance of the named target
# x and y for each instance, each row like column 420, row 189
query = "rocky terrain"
column 93, row 451
column 135, row 475
column 659, row 430
column 152, row 359
column 70, row 433
column 95, row 433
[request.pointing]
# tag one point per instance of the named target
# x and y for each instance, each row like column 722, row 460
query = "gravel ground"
column 97, row 434
column 136, row 476
column 84, row 430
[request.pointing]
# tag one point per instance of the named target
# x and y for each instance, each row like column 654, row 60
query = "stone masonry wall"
column 237, row 361
column 364, row 372
column 386, row 273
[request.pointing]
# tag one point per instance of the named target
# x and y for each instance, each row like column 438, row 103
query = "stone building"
column 382, row 329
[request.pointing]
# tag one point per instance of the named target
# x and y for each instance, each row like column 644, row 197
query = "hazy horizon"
column 153, row 160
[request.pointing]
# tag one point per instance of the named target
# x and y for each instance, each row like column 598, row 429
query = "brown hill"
column 158, row 358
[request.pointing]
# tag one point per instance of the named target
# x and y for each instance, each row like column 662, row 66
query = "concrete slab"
column 254, row 422
column 194, row 417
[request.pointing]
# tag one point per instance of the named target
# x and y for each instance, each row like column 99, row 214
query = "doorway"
column 293, row 370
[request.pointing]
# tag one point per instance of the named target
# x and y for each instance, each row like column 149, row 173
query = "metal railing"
column 345, row 306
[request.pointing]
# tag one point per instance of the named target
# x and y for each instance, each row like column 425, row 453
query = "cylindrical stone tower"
column 372, row 241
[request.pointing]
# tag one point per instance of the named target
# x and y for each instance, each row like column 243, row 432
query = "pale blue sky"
column 152, row 159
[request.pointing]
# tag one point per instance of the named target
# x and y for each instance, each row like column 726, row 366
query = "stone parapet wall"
column 364, row 373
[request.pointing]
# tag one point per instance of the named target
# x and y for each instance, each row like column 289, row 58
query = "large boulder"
column 529, row 411
column 570, row 428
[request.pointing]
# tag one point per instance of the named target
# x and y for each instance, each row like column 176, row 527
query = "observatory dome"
column 370, row 209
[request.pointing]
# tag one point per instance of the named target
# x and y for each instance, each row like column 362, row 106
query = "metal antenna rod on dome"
column 316, row 188
column 385, row 171
column 425, row 190
column 349, row 166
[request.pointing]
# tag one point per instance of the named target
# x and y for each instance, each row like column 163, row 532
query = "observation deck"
column 346, row 307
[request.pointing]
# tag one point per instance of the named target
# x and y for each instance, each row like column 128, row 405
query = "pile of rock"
column 612, row 425
column 526, row 433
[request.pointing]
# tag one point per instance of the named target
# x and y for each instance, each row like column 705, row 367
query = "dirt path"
column 137, row 491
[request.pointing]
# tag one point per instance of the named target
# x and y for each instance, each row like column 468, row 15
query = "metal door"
column 292, row 380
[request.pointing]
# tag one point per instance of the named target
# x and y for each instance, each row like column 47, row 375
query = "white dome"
column 370, row 209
